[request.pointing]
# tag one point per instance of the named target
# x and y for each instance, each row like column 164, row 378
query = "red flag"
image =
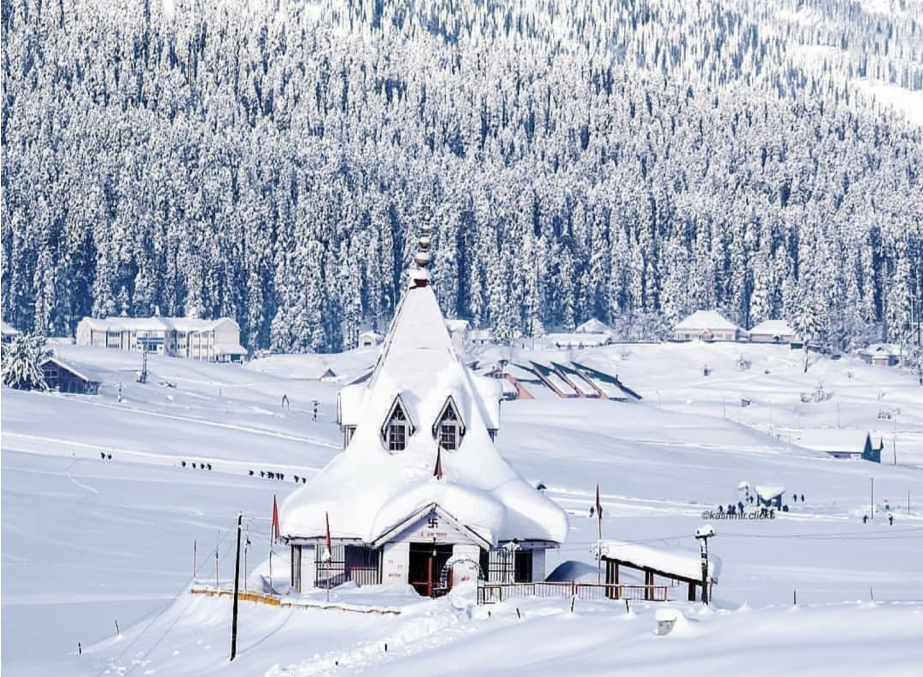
column 599, row 506
column 275, row 518
column 437, row 471
column 327, row 539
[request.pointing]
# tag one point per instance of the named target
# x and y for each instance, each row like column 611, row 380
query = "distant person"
column 592, row 511
column 865, row 519
column 802, row 498
column 795, row 498
column 740, row 506
column 891, row 520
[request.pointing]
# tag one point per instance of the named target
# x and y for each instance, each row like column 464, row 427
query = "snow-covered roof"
column 83, row 372
column 882, row 349
column 682, row 564
column 707, row 319
column 8, row 330
column 773, row 328
column 456, row 325
column 368, row 491
column 593, row 326
column 769, row 491
column 576, row 339
column 185, row 324
column 230, row 349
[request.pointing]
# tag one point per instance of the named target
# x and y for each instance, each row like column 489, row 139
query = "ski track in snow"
column 146, row 457
column 215, row 424
column 427, row 633
column 67, row 471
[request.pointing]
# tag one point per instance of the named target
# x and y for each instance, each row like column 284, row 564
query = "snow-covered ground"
column 88, row 542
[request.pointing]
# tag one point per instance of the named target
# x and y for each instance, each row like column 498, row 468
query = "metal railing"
column 491, row 593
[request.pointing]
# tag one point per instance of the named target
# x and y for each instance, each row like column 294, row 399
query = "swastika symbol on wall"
column 433, row 522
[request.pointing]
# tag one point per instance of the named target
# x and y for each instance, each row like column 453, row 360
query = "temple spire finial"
column 420, row 275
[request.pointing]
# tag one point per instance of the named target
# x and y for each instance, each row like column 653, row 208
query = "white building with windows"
column 773, row 331
column 707, row 325
column 190, row 338
column 420, row 493
column 369, row 339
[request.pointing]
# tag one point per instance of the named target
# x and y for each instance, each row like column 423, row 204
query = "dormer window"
column 397, row 427
column 449, row 428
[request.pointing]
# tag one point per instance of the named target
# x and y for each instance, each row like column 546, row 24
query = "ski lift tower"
column 142, row 375
column 702, row 534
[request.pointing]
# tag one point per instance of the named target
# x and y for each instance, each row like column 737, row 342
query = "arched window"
column 397, row 427
column 449, row 428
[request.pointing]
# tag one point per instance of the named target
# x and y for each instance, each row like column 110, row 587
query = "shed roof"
column 82, row 372
column 674, row 563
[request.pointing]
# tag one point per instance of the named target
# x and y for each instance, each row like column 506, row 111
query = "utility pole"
column 894, row 439
column 236, row 591
column 246, row 548
column 872, row 498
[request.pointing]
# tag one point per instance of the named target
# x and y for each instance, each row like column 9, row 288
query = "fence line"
column 490, row 593
column 273, row 600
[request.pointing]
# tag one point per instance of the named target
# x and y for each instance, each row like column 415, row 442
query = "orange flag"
column 275, row 518
column 437, row 472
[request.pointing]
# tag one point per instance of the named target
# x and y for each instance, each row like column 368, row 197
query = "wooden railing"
column 293, row 602
column 491, row 593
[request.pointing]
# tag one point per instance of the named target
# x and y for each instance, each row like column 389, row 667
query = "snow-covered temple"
column 419, row 481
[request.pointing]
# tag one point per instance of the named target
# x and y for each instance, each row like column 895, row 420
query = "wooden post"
column 217, row 579
column 117, row 630
column 195, row 548
column 236, row 591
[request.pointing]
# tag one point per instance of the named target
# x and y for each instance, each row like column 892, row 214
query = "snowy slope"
column 88, row 542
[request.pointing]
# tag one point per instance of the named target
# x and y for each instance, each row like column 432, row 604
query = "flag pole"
column 273, row 535
column 599, row 536
column 328, row 555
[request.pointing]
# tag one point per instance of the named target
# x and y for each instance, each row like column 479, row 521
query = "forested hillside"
column 626, row 159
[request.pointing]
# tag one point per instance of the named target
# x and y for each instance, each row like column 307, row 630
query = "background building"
column 707, row 325
column 190, row 338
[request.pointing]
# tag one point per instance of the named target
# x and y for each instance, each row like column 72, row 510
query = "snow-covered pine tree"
column 22, row 363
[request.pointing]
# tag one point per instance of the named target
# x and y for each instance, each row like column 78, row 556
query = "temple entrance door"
column 426, row 562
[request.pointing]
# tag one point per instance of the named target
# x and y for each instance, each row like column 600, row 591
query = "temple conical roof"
column 368, row 490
